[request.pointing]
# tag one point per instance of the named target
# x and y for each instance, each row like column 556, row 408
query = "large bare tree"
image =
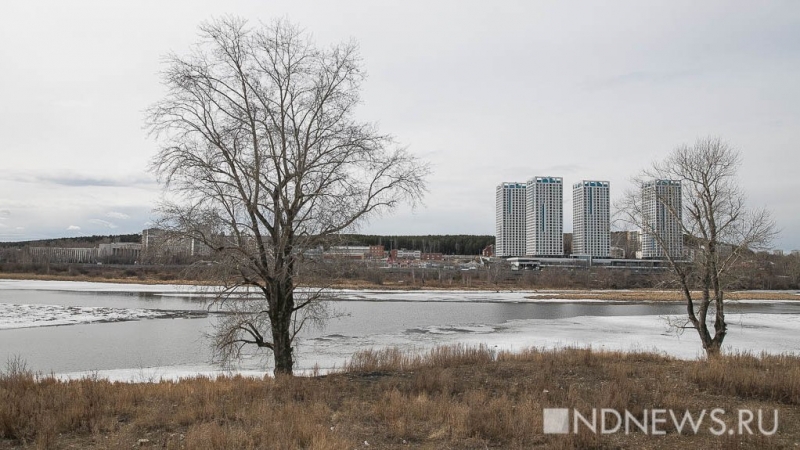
column 262, row 160
column 712, row 218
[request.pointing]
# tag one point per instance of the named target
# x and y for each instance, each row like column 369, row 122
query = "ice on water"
column 751, row 332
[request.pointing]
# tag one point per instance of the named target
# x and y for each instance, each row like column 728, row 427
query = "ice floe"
column 28, row 315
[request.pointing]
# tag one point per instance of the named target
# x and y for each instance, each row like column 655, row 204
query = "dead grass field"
column 451, row 397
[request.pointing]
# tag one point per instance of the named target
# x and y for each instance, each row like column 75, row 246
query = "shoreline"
column 621, row 295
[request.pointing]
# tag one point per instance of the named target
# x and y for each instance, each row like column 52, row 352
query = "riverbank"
column 615, row 295
column 451, row 397
column 653, row 295
column 105, row 278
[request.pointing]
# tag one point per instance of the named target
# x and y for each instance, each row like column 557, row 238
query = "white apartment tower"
column 544, row 217
column 662, row 234
column 590, row 218
column 510, row 219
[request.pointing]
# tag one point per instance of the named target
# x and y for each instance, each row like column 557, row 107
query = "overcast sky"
column 485, row 91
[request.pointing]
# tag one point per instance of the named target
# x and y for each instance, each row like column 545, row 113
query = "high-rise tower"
column 544, row 217
column 590, row 218
column 510, row 219
column 662, row 233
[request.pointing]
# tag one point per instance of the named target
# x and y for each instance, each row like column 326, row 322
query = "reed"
column 448, row 397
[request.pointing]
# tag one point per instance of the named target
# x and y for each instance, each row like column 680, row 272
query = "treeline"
column 458, row 244
column 449, row 244
column 75, row 242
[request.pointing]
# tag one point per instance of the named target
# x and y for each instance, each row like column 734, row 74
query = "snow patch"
column 32, row 315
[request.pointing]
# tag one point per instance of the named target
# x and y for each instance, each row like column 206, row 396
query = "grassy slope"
column 452, row 397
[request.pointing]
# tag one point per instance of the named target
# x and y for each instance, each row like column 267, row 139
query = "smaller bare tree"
column 714, row 221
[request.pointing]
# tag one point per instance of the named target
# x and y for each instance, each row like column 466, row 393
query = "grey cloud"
column 103, row 223
column 559, row 169
column 638, row 77
column 117, row 215
column 78, row 180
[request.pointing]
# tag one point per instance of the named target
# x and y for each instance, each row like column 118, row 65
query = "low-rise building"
column 377, row 252
column 348, row 251
column 617, row 252
column 405, row 254
column 158, row 244
column 432, row 257
column 63, row 255
column 121, row 252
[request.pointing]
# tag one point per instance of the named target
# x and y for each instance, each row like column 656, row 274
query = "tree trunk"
column 712, row 345
column 281, row 333
column 713, row 349
column 282, row 349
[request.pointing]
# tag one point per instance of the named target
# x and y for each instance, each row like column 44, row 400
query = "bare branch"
column 711, row 216
column 264, row 159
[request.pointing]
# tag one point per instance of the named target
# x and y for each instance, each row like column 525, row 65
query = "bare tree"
column 712, row 218
column 262, row 160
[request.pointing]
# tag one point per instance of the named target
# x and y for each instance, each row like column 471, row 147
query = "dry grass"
column 768, row 377
column 450, row 397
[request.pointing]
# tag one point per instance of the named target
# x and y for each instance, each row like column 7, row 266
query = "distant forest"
column 461, row 244
column 455, row 244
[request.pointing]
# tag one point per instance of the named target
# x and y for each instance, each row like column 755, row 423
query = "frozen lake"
column 143, row 332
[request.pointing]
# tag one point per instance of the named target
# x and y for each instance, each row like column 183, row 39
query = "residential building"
column 377, row 252
column 510, row 219
column 432, row 257
column 590, row 218
column 662, row 230
column 544, row 217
